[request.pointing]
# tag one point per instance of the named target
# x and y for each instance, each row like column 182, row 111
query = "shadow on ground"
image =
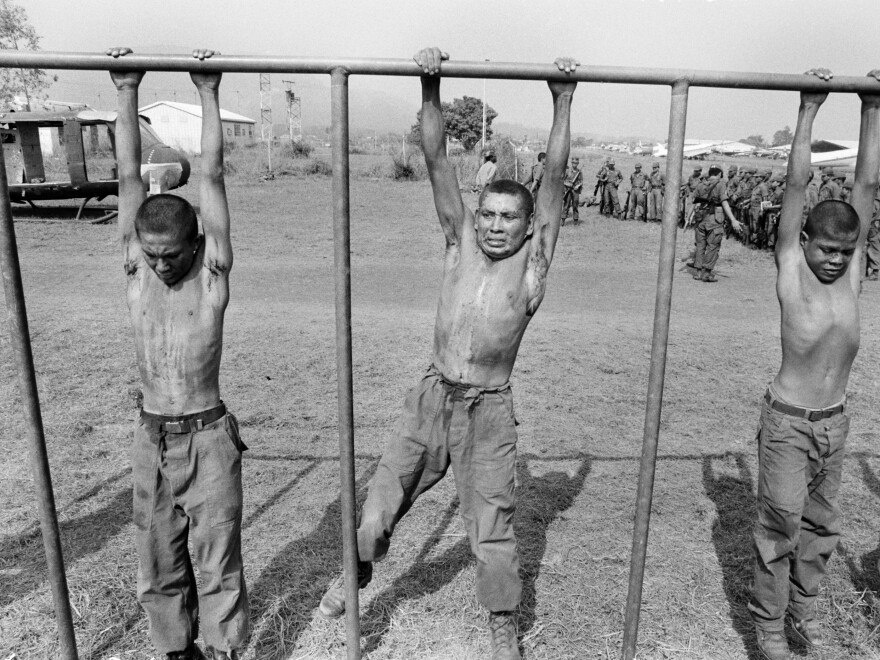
column 864, row 574
column 284, row 596
column 22, row 556
column 732, row 537
column 539, row 501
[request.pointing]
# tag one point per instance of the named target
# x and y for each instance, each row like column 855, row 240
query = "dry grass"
column 579, row 388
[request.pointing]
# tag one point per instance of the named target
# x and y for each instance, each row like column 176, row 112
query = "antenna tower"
column 294, row 112
column 265, row 108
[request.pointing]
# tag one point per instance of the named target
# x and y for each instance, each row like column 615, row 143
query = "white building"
column 179, row 125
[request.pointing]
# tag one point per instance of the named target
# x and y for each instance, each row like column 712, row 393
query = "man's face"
column 170, row 256
column 828, row 256
column 501, row 225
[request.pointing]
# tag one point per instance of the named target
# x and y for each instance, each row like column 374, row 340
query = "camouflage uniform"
column 708, row 225
column 692, row 183
column 760, row 193
column 574, row 181
column 637, row 198
column 612, row 202
column 829, row 188
column 744, row 195
column 657, row 181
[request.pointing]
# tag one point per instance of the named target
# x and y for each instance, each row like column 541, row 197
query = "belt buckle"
column 816, row 415
column 174, row 427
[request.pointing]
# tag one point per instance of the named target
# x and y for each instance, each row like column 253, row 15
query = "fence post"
column 20, row 341
column 657, row 373
column 342, row 264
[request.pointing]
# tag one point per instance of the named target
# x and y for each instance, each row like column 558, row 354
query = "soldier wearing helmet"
column 612, row 201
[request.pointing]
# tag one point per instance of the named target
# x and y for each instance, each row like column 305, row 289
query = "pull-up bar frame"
column 339, row 70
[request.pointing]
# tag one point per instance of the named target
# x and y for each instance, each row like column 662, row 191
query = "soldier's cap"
column 733, row 168
column 752, row 170
column 766, row 172
column 715, row 171
column 828, row 170
column 848, row 183
column 611, row 161
column 638, row 166
column 655, row 166
column 777, row 178
column 698, row 169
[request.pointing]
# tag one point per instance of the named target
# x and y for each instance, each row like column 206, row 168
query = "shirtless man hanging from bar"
column 186, row 456
column 804, row 424
column 461, row 412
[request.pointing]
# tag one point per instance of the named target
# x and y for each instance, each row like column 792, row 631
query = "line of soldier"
column 755, row 199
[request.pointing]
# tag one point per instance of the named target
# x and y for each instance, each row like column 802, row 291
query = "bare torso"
column 820, row 336
column 178, row 334
column 482, row 312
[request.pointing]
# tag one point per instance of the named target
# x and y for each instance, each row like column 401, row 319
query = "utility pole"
column 266, row 114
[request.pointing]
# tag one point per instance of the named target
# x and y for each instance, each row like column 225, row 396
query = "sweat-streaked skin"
column 818, row 280
column 177, row 289
column 495, row 269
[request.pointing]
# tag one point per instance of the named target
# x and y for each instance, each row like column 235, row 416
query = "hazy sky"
column 786, row 36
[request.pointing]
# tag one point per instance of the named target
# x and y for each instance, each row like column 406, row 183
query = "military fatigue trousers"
column 798, row 527
column 708, row 234
column 472, row 429
column 187, row 486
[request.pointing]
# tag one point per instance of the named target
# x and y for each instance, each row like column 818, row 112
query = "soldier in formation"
column 657, row 184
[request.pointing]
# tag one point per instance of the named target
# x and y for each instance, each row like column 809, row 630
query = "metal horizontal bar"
column 452, row 69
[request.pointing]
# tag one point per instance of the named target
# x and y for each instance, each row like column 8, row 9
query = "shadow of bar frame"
column 339, row 70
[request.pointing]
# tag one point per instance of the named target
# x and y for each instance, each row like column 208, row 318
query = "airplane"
column 162, row 168
column 837, row 153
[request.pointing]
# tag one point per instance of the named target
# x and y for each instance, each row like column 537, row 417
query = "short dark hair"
column 542, row 156
column 511, row 187
column 832, row 218
column 167, row 214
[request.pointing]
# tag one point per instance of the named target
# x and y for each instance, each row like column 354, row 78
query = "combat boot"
column 773, row 645
column 809, row 632
column 193, row 652
column 502, row 631
column 214, row 654
column 333, row 603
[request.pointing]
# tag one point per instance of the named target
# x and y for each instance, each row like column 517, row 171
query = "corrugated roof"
column 196, row 110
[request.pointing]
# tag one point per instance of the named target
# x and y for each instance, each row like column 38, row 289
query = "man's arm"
column 128, row 155
column 798, row 175
column 867, row 161
column 444, row 183
column 212, row 188
column 548, row 206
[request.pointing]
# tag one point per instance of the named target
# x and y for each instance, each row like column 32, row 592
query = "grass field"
column 579, row 388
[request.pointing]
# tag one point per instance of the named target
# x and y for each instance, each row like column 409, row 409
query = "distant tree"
column 464, row 121
column 755, row 141
column 16, row 33
column 782, row 137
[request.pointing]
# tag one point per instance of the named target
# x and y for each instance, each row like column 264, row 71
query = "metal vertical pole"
column 342, row 258
column 20, row 341
column 662, row 307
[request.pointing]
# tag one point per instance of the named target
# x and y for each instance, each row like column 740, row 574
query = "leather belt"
column 185, row 423
column 809, row 414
